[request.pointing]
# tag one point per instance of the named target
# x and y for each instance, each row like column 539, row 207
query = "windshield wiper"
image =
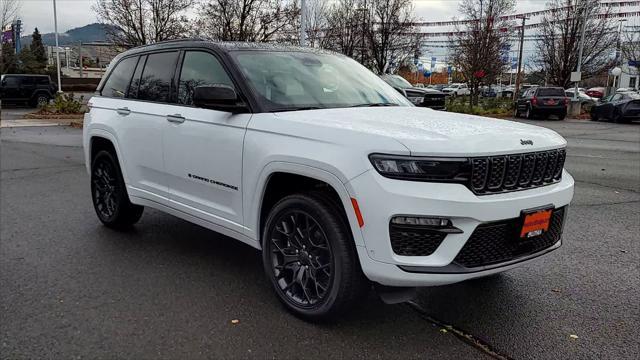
column 375, row 104
column 296, row 108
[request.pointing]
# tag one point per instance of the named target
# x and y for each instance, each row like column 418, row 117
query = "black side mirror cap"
column 218, row 97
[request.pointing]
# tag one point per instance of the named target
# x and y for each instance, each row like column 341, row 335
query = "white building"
column 630, row 77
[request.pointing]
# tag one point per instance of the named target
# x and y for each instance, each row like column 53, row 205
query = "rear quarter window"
column 118, row 82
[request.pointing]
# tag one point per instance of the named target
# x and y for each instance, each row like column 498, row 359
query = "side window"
column 11, row 81
column 155, row 82
column 118, row 82
column 199, row 68
column 41, row 80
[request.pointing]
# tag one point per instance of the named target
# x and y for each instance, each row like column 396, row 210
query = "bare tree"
column 316, row 20
column 249, row 20
column 140, row 22
column 387, row 31
column 8, row 11
column 343, row 31
column 559, row 40
column 476, row 46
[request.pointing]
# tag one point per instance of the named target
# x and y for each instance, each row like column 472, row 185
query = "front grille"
column 414, row 240
column 496, row 174
column 498, row 242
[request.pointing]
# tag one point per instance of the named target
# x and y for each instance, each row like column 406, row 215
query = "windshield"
column 287, row 81
column 397, row 81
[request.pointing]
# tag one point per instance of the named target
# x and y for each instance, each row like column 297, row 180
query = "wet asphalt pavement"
column 70, row 288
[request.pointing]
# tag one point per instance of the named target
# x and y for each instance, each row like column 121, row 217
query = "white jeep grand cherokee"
column 307, row 155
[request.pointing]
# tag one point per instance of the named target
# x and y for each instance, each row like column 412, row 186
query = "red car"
column 596, row 92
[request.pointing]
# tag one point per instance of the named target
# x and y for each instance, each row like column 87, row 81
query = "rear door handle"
column 123, row 111
column 176, row 118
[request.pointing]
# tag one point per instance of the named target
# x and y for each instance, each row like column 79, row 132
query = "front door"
column 203, row 148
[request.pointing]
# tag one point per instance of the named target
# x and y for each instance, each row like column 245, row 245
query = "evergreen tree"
column 28, row 62
column 38, row 51
column 9, row 61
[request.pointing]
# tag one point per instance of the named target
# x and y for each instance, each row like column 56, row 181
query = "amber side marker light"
column 356, row 208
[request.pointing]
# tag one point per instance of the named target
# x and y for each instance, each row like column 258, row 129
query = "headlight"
column 422, row 168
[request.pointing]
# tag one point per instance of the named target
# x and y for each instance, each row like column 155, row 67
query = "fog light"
column 421, row 221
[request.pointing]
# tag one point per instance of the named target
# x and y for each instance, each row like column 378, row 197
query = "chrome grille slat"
column 497, row 174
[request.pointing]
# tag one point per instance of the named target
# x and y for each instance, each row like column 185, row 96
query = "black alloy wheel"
column 105, row 188
column 310, row 258
column 301, row 258
column 109, row 194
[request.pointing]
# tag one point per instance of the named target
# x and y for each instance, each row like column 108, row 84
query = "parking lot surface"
column 71, row 288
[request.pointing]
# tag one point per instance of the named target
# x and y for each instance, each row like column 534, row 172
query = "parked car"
column 596, row 92
column 488, row 92
column 35, row 90
column 430, row 98
column 619, row 107
column 542, row 102
column 456, row 90
column 582, row 97
column 309, row 157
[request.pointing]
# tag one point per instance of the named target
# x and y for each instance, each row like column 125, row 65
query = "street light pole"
column 584, row 23
column 303, row 23
column 55, row 25
column 517, row 89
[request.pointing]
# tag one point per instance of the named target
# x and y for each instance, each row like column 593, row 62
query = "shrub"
column 66, row 104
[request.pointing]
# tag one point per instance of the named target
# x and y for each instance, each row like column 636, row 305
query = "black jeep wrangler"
column 35, row 90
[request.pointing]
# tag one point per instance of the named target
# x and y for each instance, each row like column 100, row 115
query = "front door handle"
column 176, row 118
column 123, row 111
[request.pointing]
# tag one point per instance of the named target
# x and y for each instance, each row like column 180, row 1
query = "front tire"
column 310, row 259
column 109, row 193
column 529, row 113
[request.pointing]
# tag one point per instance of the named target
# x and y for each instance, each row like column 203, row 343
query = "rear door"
column 27, row 87
column 203, row 147
column 151, row 100
column 138, row 131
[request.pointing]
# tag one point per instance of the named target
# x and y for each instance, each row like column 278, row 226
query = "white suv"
column 457, row 90
column 310, row 157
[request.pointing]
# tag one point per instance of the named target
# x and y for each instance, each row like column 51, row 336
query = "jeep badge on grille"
column 526, row 142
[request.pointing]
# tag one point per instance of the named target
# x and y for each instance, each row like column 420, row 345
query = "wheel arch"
column 280, row 179
column 103, row 140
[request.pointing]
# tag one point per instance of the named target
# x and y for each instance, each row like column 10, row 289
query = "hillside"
column 87, row 33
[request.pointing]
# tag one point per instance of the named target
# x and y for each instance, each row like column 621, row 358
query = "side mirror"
column 218, row 97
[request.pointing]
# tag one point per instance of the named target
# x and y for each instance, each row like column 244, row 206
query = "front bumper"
column 381, row 198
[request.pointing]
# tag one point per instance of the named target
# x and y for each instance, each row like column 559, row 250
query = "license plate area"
column 535, row 222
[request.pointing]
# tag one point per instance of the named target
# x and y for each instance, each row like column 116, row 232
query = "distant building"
column 630, row 77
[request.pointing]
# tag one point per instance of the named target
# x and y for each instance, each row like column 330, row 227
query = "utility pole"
column 584, row 22
column 517, row 89
column 303, row 23
column 55, row 25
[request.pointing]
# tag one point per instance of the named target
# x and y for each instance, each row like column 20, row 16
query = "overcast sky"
column 76, row 13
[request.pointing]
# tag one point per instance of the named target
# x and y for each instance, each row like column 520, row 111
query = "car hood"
column 422, row 90
column 425, row 131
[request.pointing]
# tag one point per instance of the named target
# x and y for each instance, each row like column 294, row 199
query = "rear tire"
column 310, row 258
column 594, row 117
column 109, row 193
column 562, row 116
column 40, row 100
